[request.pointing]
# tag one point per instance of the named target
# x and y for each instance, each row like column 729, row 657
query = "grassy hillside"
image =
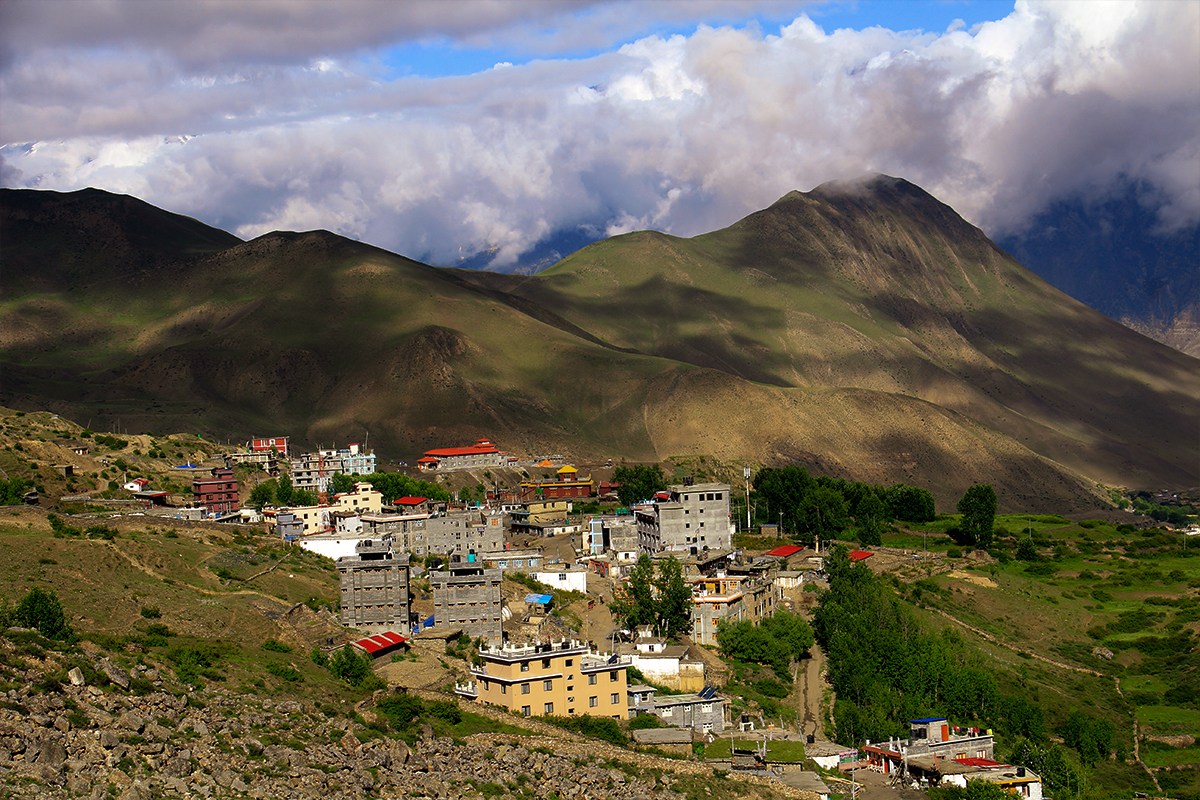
column 866, row 331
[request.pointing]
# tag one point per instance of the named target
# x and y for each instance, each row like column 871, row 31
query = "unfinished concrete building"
column 467, row 596
column 374, row 584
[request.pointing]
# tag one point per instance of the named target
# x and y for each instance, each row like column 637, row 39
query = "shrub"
column 285, row 672
column 276, row 646
column 41, row 610
column 151, row 612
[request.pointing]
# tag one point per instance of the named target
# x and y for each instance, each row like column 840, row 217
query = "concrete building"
column 467, row 596
column 374, row 586
column 408, row 530
column 934, row 740
column 686, row 517
column 703, row 712
column 465, row 534
column 563, row 679
column 732, row 598
column 522, row 560
column 312, row 471
column 667, row 665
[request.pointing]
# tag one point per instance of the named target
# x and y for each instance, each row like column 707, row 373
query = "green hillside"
column 866, row 331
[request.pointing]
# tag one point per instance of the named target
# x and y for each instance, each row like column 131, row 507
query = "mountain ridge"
column 863, row 326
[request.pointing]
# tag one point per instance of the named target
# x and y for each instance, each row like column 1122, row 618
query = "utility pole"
column 746, row 475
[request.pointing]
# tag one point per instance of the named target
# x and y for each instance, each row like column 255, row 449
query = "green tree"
column 302, row 497
column 823, row 512
column 41, row 609
column 283, row 491
column 12, row 492
column 263, row 494
column 635, row 606
column 674, row 601
column 340, row 482
column 1027, row 550
column 871, row 519
column 638, row 482
column 348, row 666
column 780, row 491
column 910, row 503
column 978, row 509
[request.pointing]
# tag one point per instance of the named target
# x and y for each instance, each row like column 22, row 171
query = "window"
column 524, row 688
column 549, row 708
column 706, row 708
column 570, row 662
column 546, row 663
column 593, row 702
column 503, row 689
column 525, row 710
column 612, row 676
column 591, row 680
column 615, row 697
column 708, row 726
column 547, row 685
column 524, row 666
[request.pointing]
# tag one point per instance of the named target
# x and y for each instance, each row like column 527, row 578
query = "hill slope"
column 865, row 330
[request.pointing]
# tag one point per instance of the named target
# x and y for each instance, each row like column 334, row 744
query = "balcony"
column 466, row 689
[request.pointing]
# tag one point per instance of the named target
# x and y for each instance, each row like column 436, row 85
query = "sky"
column 440, row 129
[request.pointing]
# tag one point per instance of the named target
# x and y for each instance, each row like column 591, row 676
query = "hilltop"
column 862, row 330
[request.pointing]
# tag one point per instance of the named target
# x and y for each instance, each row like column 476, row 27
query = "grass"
column 1169, row 719
column 785, row 751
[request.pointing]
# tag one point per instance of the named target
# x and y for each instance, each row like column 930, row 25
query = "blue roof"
column 540, row 599
column 929, row 719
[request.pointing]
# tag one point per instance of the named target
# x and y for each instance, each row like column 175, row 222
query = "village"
column 417, row 570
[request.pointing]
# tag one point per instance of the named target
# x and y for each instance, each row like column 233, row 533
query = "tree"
column 1028, row 551
column 41, row 610
column 910, row 503
column 823, row 512
column 781, row 491
column 302, row 497
column 638, row 482
column 283, row 491
column 12, row 492
column 871, row 518
column 264, row 494
column 635, row 606
column 978, row 509
column 340, row 482
column 674, row 602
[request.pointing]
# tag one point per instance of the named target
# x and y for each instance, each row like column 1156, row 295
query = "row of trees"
column 662, row 601
column 279, row 492
column 777, row 640
column 824, row 506
column 638, row 482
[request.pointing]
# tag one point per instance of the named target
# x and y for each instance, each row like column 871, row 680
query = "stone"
column 52, row 754
column 75, row 676
column 108, row 739
column 63, row 724
column 131, row 721
column 115, row 674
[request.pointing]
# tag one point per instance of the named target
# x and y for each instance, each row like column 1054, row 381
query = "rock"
column 199, row 727
column 75, row 675
column 115, row 674
column 52, row 754
column 1102, row 652
column 119, row 778
column 63, row 724
column 136, row 791
column 131, row 721
column 108, row 739
column 178, row 767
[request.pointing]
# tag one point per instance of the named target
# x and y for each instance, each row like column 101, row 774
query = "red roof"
column 977, row 762
column 382, row 641
column 859, row 555
column 410, row 501
column 475, row 449
column 426, row 460
column 784, row 550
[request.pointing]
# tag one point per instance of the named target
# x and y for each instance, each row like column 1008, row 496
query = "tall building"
column 374, row 586
column 467, row 596
column 564, row 679
column 217, row 491
column 686, row 517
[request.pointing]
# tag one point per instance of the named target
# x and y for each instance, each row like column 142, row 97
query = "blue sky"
column 390, row 122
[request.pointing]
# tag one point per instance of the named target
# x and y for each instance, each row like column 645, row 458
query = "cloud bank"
column 287, row 115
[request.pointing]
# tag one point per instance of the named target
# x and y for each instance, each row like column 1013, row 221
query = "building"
column 312, row 471
column 732, row 598
column 563, row 679
column 703, row 712
column 932, row 739
column 523, row 560
column 565, row 484
column 481, row 455
column 565, row 579
column 668, row 665
column 467, row 596
column 374, row 586
column 686, row 517
column 466, row 534
column 269, row 444
column 217, row 491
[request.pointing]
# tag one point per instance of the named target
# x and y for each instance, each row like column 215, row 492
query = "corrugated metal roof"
column 381, row 641
column 784, row 550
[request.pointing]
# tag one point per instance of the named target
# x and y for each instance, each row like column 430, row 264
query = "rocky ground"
column 72, row 739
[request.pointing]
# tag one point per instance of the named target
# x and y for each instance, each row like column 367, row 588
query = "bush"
column 645, row 721
column 290, row 674
column 151, row 612
column 41, row 610
column 602, row 728
column 276, row 646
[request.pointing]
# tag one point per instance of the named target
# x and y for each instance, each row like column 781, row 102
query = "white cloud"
column 273, row 129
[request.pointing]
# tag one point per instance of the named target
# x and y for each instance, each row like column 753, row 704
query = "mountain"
column 862, row 329
column 1111, row 255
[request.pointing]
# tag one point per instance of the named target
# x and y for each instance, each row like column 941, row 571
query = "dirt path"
column 809, row 686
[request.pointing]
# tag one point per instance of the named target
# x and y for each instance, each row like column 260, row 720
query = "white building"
column 568, row 580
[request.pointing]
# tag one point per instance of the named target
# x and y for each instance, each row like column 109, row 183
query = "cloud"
column 249, row 120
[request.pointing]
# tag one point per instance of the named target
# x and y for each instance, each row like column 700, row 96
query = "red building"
column 279, row 444
column 567, row 485
column 217, row 491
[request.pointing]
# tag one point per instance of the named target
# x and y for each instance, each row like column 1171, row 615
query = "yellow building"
column 562, row 679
